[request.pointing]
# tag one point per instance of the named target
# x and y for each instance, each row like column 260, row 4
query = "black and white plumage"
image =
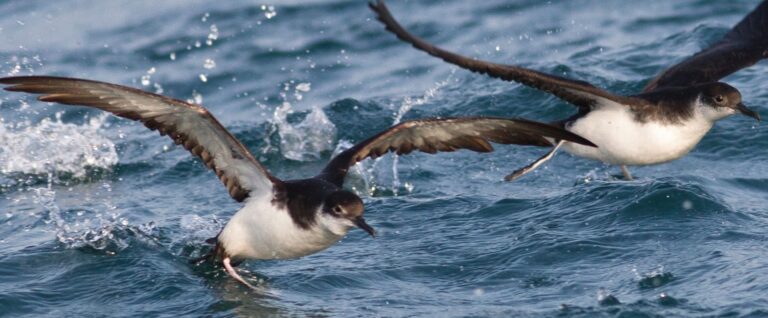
column 291, row 218
column 662, row 123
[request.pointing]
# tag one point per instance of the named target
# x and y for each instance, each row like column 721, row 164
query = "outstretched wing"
column 447, row 134
column 187, row 124
column 579, row 93
column 743, row 46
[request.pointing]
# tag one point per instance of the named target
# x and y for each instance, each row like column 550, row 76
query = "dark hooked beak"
column 360, row 222
column 746, row 111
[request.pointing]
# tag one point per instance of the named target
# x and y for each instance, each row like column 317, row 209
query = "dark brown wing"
column 447, row 134
column 743, row 46
column 579, row 93
column 187, row 124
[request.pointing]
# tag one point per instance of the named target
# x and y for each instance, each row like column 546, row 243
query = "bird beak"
column 360, row 222
column 746, row 111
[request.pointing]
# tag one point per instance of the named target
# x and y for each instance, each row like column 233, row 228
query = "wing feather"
column 188, row 125
column 579, row 93
column 743, row 46
column 447, row 134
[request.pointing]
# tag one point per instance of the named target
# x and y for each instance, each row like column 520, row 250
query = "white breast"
column 262, row 231
column 622, row 140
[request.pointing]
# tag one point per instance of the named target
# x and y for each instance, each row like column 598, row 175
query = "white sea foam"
column 54, row 146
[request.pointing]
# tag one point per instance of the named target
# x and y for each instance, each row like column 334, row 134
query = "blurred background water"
column 99, row 215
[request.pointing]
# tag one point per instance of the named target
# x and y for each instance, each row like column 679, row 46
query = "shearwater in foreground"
column 662, row 123
column 291, row 218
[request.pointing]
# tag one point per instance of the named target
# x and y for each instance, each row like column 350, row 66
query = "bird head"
column 722, row 100
column 347, row 207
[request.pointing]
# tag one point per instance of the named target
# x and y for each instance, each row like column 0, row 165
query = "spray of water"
column 51, row 148
column 408, row 104
column 54, row 146
column 307, row 139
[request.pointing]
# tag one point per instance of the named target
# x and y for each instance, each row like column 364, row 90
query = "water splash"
column 655, row 278
column 195, row 230
column 366, row 170
column 54, row 146
column 408, row 104
column 361, row 178
column 306, row 140
column 102, row 230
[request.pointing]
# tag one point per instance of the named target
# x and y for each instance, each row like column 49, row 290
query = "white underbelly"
column 623, row 141
column 258, row 231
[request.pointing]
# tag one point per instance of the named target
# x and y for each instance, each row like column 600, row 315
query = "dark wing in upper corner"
column 579, row 93
column 187, row 124
column 447, row 134
column 743, row 46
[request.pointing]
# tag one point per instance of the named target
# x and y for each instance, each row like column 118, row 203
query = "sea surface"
column 99, row 216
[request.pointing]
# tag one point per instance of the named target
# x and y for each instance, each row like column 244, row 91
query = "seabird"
column 662, row 123
column 282, row 219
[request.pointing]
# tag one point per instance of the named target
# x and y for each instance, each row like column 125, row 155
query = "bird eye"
column 719, row 99
column 337, row 209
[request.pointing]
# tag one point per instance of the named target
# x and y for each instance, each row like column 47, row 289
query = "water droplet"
column 303, row 87
column 213, row 34
column 203, row 78
column 209, row 64
column 173, row 56
column 146, row 78
column 269, row 11
column 197, row 98
column 158, row 88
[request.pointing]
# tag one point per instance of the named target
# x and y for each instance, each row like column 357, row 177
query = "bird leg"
column 231, row 271
column 625, row 171
column 524, row 170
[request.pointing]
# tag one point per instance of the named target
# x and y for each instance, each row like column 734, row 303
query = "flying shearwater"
column 292, row 218
column 662, row 123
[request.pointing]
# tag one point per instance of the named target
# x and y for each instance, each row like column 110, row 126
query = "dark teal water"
column 99, row 215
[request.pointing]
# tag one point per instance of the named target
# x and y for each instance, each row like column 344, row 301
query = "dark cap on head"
column 723, row 95
column 345, row 204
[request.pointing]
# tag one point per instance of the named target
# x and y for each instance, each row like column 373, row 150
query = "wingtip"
column 381, row 11
column 8, row 80
column 376, row 5
column 580, row 140
column 586, row 142
column 512, row 176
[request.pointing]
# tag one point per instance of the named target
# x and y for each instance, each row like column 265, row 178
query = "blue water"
column 98, row 216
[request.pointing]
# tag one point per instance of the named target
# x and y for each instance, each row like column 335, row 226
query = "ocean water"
column 99, row 216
